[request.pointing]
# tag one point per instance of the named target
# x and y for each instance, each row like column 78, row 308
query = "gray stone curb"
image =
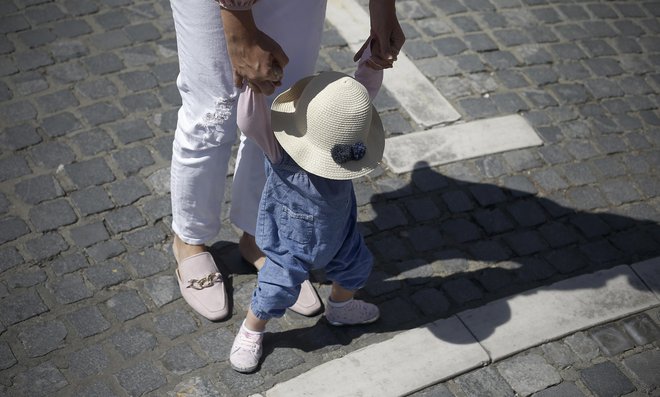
column 443, row 349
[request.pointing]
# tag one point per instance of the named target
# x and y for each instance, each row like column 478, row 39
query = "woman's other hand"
column 386, row 33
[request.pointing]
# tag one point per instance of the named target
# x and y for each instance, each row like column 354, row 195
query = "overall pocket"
column 296, row 225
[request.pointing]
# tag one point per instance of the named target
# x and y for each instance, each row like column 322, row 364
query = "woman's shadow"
column 442, row 246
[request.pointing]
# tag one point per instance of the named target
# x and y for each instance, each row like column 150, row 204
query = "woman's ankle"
column 247, row 246
column 183, row 250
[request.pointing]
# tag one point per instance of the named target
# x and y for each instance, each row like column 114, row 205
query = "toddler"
column 320, row 134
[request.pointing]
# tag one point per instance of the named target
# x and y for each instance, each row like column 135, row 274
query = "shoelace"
column 352, row 307
column 249, row 341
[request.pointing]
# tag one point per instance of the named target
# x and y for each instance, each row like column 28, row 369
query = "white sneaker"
column 246, row 350
column 353, row 312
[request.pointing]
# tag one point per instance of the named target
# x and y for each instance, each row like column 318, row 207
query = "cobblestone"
column 528, row 374
column 51, row 103
column 7, row 358
column 91, row 200
column 51, row 155
column 174, row 324
column 124, row 219
column 645, row 367
column 141, row 378
column 97, row 89
column 424, row 238
column 70, row 288
column 462, row 290
column 583, row 346
column 12, row 228
column 148, row 262
column 606, row 379
column 26, row 278
column 106, row 250
column 19, row 137
column 559, row 354
column 642, row 329
column 181, row 359
column 133, row 159
column 89, row 173
column 108, row 274
column 38, row 189
column 128, row 191
column 162, row 289
column 52, row 215
column 9, row 257
column 431, row 301
column 69, row 49
column 88, row 321
column 88, row 361
column 104, row 63
column 611, row 340
column 86, row 235
column 42, row 380
column 46, row 246
column 21, row 306
column 13, row 167
column 126, row 305
column 484, row 381
column 40, row 339
column 493, row 221
column 133, row 341
column 216, row 344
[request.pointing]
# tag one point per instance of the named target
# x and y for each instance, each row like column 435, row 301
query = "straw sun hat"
column 329, row 127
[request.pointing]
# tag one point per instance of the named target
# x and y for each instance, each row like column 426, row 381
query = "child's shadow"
column 443, row 245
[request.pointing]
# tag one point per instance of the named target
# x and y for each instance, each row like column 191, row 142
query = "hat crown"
column 335, row 112
column 328, row 126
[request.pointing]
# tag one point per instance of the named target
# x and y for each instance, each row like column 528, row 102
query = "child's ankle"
column 253, row 323
column 334, row 303
column 250, row 330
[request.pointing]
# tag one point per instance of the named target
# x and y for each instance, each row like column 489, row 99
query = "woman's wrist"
column 238, row 25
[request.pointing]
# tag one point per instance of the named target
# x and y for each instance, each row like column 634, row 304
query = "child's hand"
column 386, row 37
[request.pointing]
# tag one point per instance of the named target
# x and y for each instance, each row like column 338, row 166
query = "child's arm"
column 253, row 119
column 370, row 78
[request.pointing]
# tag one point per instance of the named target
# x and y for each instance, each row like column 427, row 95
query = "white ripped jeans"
column 206, row 127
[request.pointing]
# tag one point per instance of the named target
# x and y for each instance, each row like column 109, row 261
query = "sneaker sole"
column 244, row 370
column 338, row 324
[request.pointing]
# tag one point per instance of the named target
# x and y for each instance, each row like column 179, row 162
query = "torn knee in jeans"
column 221, row 111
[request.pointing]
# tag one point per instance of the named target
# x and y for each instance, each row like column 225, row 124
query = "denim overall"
column 305, row 222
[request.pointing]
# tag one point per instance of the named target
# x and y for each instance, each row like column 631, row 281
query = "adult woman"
column 267, row 44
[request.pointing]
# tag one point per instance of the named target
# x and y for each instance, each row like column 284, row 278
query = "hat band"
column 342, row 153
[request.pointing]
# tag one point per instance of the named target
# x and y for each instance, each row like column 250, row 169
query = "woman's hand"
column 256, row 58
column 386, row 35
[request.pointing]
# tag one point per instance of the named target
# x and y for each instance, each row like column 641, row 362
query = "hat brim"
column 309, row 157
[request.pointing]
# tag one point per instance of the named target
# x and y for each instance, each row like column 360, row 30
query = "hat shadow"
column 481, row 243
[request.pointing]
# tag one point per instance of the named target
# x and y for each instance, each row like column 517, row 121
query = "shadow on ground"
column 492, row 243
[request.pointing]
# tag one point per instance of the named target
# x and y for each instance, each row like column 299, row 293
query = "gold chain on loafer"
column 205, row 282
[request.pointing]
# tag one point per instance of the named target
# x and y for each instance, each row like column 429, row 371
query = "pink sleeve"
column 236, row 4
column 370, row 78
column 253, row 119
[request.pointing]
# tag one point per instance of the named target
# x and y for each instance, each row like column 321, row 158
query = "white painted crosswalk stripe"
column 444, row 145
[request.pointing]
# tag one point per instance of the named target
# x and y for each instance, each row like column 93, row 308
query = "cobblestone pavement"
column 89, row 303
column 617, row 359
